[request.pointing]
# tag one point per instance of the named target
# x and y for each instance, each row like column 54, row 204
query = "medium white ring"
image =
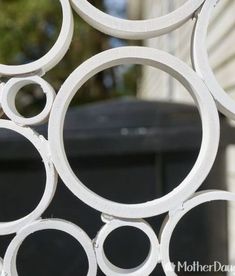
column 9, row 263
column 201, row 61
column 135, row 29
column 9, row 92
column 41, row 144
column 143, row 269
column 162, row 61
column 176, row 215
column 55, row 54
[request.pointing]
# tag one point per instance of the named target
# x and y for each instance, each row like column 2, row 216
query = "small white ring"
column 143, row 269
column 135, row 29
column 41, row 144
column 201, row 61
column 55, row 54
column 9, row 263
column 9, row 92
column 188, row 78
column 173, row 219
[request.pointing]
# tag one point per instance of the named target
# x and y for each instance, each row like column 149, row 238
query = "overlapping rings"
column 176, row 202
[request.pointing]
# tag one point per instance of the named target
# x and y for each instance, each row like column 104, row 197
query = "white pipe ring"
column 177, row 69
column 9, row 92
column 143, row 269
column 41, row 144
column 55, row 54
column 135, row 29
column 9, row 263
column 1, row 89
column 201, row 61
column 175, row 216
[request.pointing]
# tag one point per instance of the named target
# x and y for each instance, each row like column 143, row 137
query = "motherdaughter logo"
column 197, row 267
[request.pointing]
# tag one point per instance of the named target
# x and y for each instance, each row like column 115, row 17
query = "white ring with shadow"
column 145, row 268
column 177, row 69
column 9, row 92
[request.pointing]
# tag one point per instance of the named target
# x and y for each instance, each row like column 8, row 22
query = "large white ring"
column 143, row 269
column 9, row 263
column 56, row 53
column 201, row 61
column 176, row 215
column 135, row 29
column 9, row 92
column 176, row 68
column 42, row 147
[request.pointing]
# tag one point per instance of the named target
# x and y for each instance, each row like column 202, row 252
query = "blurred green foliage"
column 29, row 28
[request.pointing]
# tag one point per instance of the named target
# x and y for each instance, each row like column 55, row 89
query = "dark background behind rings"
column 126, row 150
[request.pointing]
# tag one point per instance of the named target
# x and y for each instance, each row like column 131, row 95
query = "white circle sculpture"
column 135, row 29
column 200, row 84
column 188, row 78
column 9, row 92
column 143, row 269
column 201, row 61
